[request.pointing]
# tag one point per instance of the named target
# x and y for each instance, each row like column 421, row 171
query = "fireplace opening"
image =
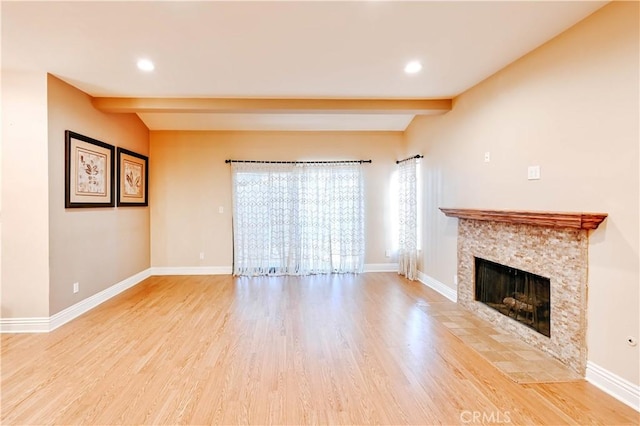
column 520, row 295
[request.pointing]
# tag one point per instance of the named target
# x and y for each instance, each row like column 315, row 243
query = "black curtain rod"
column 410, row 158
column 298, row 162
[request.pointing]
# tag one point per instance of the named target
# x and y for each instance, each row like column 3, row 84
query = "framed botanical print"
column 89, row 172
column 133, row 178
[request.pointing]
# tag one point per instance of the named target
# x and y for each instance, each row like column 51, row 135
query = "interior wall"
column 189, row 182
column 95, row 247
column 25, row 223
column 572, row 107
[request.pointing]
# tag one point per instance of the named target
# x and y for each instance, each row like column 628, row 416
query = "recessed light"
column 412, row 67
column 145, row 65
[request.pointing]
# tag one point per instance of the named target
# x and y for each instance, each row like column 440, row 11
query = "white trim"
column 380, row 267
column 24, row 325
column 74, row 311
column 436, row 285
column 228, row 270
column 619, row 388
column 191, row 270
column 46, row 324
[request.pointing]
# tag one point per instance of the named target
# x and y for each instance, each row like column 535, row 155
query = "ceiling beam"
column 273, row 106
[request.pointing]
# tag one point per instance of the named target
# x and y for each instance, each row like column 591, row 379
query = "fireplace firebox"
column 520, row 295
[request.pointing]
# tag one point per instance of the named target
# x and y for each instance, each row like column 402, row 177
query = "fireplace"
column 518, row 294
column 545, row 244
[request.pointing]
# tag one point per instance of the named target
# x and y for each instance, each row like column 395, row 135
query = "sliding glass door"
column 297, row 219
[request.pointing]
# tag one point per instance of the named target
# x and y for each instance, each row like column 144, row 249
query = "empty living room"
column 320, row 212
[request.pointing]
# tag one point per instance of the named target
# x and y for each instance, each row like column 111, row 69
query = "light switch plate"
column 533, row 173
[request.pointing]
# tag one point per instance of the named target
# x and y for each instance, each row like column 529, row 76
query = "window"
column 408, row 217
column 297, row 219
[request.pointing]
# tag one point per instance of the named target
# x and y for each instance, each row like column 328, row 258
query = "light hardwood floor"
column 287, row 350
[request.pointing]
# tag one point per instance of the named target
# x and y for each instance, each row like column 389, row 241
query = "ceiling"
column 278, row 50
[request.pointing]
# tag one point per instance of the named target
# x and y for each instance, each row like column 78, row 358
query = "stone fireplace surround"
column 553, row 245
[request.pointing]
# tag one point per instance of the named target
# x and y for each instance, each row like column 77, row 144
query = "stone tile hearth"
column 515, row 358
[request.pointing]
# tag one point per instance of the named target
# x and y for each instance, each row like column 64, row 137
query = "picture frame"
column 89, row 172
column 133, row 179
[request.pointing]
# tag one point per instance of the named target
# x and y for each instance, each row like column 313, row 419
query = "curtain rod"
column 298, row 162
column 410, row 158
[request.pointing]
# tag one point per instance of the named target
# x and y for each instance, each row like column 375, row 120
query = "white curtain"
column 408, row 218
column 297, row 219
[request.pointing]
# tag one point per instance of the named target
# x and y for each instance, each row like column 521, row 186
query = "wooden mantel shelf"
column 550, row 219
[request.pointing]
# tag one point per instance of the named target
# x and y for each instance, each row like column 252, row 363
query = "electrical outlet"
column 387, row 253
column 201, row 255
column 533, row 173
column 487, row 157
column 220, row 209
column 76, row 287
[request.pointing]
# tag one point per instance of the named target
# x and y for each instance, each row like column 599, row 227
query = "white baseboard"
column 228, row 270
column 191, row 270
column 46, row 324
column 614, row 385
column 24, row 325
column 436, row 285
column 91, row 302
column 380, row 267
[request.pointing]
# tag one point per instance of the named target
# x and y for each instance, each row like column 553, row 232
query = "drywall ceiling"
column 265, row 49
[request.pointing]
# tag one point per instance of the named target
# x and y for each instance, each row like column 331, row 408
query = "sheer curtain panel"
column 408, row 218
column 297, row 219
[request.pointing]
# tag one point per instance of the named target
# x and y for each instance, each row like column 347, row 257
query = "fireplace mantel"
column 549, row 219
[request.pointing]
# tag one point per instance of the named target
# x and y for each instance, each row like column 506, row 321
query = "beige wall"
column 95, row 247
column 571, row 107
column 189, row 181
column 25, row 223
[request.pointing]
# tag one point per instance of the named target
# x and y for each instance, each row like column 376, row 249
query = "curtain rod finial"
column 417, row 156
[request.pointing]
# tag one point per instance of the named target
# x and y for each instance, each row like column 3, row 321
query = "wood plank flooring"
column 337, row 349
